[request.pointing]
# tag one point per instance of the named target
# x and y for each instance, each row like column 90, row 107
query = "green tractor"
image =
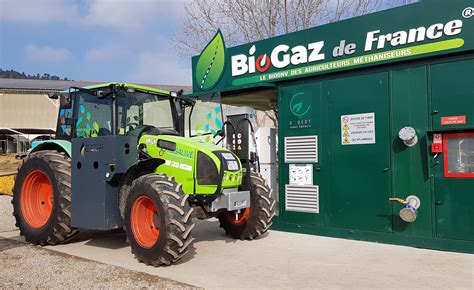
column 142, row 159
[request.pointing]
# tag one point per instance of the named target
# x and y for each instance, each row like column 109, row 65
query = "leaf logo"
column 297, row 106
column 211, row 63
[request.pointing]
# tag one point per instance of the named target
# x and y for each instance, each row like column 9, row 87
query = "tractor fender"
column 58, row 145
column 138, row 169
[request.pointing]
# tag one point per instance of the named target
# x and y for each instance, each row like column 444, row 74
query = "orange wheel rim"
column 36, row 199
column 145, row 222
column 241, row 218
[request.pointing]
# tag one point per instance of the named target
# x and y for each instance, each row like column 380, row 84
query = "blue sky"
column 100, row 40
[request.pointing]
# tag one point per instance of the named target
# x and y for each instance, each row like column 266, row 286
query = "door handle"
column 385, row 169
column 438, row 203
column 318, row 168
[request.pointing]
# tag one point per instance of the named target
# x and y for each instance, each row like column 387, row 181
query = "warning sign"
column 358, row 129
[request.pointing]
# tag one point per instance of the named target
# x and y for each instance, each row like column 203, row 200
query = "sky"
column 99, row 40
column 95, row 40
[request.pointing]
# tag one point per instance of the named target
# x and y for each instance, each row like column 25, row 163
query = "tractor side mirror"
column 65, row 101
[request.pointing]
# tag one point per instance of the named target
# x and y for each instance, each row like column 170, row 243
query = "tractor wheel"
column 158, row 220
column 256, row 220
column 42, row 198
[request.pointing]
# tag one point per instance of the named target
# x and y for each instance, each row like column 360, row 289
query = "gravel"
column 26, row 266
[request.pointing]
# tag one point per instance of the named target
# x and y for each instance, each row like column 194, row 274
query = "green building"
column 370, row 109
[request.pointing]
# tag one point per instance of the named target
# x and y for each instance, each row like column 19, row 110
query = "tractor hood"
column 201, row 167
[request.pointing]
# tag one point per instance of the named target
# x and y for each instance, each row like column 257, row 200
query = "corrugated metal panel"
column 301, row 149
column 302, row 198
column 28, row 111
column 50, row 85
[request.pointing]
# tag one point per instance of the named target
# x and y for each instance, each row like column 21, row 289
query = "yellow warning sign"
column 346, row 141
column 346, row 134
column 346, row 127
column 239, row 148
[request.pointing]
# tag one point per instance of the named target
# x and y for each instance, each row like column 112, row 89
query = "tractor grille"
column 302, row 198
column 302, row 149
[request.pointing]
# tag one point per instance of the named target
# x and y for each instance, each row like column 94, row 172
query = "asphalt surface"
column 278, row 260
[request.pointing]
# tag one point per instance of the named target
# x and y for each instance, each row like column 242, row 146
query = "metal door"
column 359, row 152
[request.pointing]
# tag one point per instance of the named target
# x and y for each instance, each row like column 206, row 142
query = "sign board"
column 301, row 174
column 453, row 120
column 425, row 29
column 358, row 129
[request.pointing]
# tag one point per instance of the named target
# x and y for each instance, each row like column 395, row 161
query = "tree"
column 243, row 21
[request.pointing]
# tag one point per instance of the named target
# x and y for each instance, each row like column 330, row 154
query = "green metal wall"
column 356, row 181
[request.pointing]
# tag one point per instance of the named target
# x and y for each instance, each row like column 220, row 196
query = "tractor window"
column 64, row 129
column 205, row 120
column 94, row 116
column 137, row 110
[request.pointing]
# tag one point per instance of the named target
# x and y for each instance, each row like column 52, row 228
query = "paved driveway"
column 285, row 260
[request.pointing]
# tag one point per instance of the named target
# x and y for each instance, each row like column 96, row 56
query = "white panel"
column 302, row 198
column 266, row 145
column 301, row 149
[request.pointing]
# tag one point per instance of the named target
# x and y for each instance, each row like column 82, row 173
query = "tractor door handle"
column 438, row 203
column 385, row 169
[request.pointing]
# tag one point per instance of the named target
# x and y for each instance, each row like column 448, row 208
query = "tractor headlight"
column 231, row 162
column 206, row 170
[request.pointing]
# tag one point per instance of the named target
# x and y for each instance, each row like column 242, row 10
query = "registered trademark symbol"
column 468, row 12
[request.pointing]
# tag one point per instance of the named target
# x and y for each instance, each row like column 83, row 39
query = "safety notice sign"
column 358, row 129
column 301, row 174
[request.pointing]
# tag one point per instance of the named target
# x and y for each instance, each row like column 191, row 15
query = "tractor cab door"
column 100, row 156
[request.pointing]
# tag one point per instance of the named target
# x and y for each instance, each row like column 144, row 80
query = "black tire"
column 57, row 167
column 174, row 218
column 262, row 211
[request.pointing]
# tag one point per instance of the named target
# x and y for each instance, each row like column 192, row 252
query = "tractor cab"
column 114, row 109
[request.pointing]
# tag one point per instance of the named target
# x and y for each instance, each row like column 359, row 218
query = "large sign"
column 432, row 27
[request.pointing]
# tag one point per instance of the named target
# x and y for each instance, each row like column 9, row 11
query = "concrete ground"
column 284, row 260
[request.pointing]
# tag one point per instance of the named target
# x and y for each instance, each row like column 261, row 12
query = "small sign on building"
column 358, row 129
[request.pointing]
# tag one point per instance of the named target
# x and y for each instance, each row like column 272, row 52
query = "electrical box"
column 240, row 133
column 266, row 151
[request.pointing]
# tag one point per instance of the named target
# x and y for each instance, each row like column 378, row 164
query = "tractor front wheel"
column 42, row 198
column 255, row 220
column 158, row 220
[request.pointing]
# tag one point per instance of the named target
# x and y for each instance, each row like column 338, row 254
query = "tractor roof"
column 143, row 88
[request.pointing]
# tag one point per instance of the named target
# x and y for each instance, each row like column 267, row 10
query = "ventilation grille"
column 302, row 149
column 302, row 198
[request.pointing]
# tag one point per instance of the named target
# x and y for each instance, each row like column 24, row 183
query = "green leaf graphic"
column 210, row 65
column 297, row 107
column 95, row 125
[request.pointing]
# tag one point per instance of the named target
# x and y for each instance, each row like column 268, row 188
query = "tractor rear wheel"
column 42, row 198
column 158, row 220
column 256, row 220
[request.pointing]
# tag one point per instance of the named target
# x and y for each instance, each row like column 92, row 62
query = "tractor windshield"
column 138, row 110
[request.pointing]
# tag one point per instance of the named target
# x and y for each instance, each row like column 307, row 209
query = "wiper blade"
column 98, row 94
column 88, row 91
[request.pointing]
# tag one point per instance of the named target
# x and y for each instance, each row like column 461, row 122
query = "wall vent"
column 302, row 198
column 301, row 149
